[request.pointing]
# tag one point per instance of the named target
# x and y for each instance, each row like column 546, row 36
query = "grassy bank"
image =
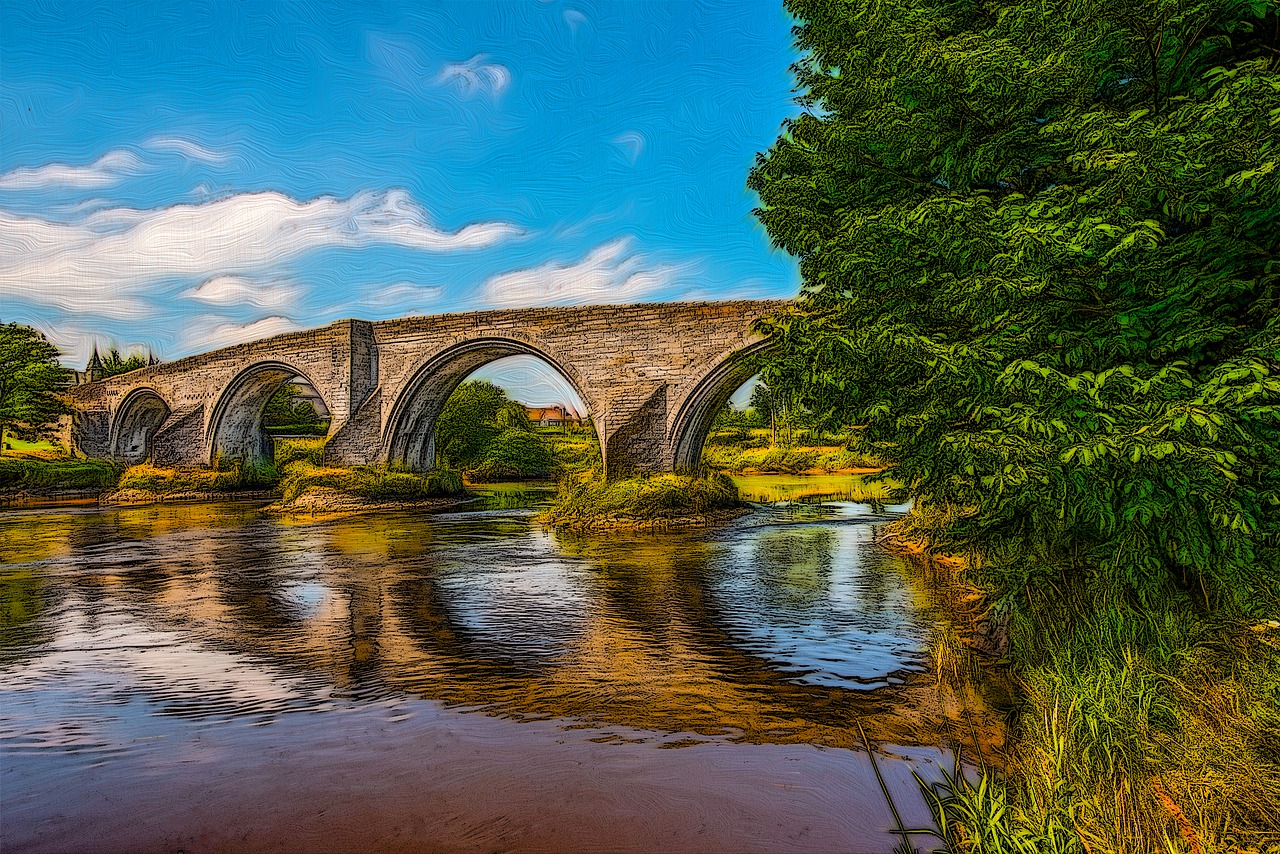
column 661, row 500
column 375, row 483
column 1137, row 727
column 156, row 480
column 38, row 473
column 752, row 450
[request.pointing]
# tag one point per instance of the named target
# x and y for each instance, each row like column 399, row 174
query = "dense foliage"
column 290, row 411
column 1039, row 252
column 488, row 435
column 29, row 379
column 114, row 364
column 469, row 422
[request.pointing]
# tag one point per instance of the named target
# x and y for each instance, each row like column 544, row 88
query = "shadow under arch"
column 409, row 438
column 136, row 421
column 693, row 419
column 235, row 426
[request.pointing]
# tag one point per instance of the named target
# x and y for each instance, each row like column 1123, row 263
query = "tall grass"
column 42, row 472
column 292, row 450
column 1148, row 729
column 647, row 497
column 372, row 482
column 228, row 478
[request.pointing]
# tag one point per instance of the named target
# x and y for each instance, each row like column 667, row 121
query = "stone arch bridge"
column 652, row 377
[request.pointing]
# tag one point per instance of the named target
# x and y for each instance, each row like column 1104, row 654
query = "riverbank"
column 327, row 502
column 1145, row 727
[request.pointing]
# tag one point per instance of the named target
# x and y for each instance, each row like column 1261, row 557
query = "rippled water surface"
column 206, row 677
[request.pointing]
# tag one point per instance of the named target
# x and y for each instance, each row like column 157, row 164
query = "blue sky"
column 181, row 177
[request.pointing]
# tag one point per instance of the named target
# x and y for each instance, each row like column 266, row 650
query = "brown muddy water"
column 207, row 678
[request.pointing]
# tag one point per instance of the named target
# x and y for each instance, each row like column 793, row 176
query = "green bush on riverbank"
column 30, row 472
column 642, row 499
column 372, row 482
column 159, row 480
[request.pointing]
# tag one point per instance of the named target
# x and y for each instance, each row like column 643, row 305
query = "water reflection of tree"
column 26, row 600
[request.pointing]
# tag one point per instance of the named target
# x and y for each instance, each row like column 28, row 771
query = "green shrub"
column 292, row 450
column 514, row 454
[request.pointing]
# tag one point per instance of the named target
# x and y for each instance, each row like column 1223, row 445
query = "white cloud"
column 207, row 333
column 610, row 273
column 476, row 77
column 111, row 168
column 631, row 143
column 401, row 294
column 237, row 290
column 106, row 261
column 187, row 148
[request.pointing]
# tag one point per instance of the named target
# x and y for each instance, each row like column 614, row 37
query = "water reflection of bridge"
column 627, row 631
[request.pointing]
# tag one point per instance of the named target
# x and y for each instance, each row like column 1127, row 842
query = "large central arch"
column 409, row 438
column 235, row 426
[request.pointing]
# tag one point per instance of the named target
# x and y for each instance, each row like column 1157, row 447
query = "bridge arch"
column 136, row 421
column 409, row 436
column 712, row 391
column 235, row 429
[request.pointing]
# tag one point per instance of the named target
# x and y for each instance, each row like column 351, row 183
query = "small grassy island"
column 656, row 502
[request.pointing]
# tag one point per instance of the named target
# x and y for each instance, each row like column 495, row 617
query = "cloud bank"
column 108, row 260
column 610, row 273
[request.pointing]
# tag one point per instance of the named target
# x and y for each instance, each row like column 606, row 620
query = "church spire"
column 94, row 368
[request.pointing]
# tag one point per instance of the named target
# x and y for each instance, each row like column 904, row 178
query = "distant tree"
column 512, row 455
column 761, row 403
column 288, row 407
column 469, row 422
column 29, row 379
column 512, row 416
column 113, row 364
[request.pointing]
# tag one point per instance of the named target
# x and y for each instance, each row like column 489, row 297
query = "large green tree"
column 1039, row 252
column 469, row 422
column 29, row 379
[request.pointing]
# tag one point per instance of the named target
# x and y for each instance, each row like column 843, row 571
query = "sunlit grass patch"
column 160, row 480
column 647, row 497
column 372, row 482
column 733, row 458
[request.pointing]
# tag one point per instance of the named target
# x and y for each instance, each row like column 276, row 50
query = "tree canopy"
column 29, row 379
column 1038, row 245
column 114, row 364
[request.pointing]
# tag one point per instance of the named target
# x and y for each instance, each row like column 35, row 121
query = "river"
column 205, row 677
